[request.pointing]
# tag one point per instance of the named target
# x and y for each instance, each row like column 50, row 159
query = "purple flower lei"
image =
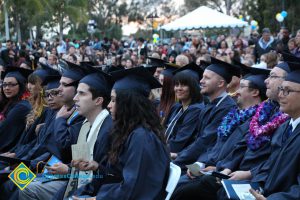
column 263, row 124
column 233, row 119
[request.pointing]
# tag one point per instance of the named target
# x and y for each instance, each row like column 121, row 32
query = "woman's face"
column 32, row 88
column 10, row 87
column 128, row 64
column 112, row 104
column 182, row 92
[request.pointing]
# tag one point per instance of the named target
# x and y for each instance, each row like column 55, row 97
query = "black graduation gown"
column 283, row 181
column 29, row 137
column 224, row 146
column 101, row 149
column 208, row 122
column 244, row 158
column 65, row 133
column 14, row 124
column 144, row 166
column 182, row 134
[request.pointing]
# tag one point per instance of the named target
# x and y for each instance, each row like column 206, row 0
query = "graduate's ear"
column 254, row 92
column 99, row 101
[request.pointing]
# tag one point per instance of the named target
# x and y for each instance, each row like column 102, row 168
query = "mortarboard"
column 191, row 69
column 100, row 81
column 138, row 79
column 169, row 69
column 294, row 74
column 223, row 69
column 51, row 82
column 75, row 72
column 20, row 74
column 45, row 71
column 204, row 64
column 257, row 77
column 156, row 62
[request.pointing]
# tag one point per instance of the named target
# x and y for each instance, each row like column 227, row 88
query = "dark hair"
column 133, row 110
column 97, row 93
column 262, row 91
column 5, row 103
column 167, row 98
column 184, row 79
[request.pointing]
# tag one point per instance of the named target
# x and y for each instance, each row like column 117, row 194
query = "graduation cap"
column 20, row 74
column 111, row 69
column 191, row 69
column 204, row 64
column 156, row 62
column 169, row 69
column 99, row 80
column 138, row 79
column 75, row 72
column 224, row 69
column 257, row 77
column 151, row 69
column 45, row 71
column 89, row 63
column 51, row 82
column 294, row 74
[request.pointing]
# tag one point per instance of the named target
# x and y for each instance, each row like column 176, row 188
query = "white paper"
column 242, row 190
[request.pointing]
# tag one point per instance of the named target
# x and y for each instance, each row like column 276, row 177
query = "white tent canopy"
column 204, row 17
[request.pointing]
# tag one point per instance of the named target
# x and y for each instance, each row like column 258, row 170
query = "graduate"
column 91, row 100
column 213, row 84
column 138, row 160
column 184, row 115
column 14, row 107
column 232, row 129
column 255, row 147
column 282, row 180
column 37, row 152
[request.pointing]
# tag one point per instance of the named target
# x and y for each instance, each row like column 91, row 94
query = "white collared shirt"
column 295, row 123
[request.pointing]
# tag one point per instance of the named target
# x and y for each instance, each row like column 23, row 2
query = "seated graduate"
column 184, row 115
column 138, row 158
column 213, row 84
column 37, row 153
column 255, row 147
column 283, row 174
column 167, row 98
column 232, row 130
column 14, row 107
column 91, row 100
column 38, row 114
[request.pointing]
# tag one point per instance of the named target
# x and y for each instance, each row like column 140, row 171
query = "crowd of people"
column 104, row 119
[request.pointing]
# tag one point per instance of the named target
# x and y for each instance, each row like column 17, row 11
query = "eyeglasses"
column 73, row 84
column 274, row 76
column 244, row 86
column 51, row 94
column 286, row 91
column 9, row 85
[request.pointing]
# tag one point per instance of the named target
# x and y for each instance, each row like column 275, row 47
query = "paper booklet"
column 196, row 169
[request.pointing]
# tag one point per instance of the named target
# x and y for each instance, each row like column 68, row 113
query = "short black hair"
column 98, row 93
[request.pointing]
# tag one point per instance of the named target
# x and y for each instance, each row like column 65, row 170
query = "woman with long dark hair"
column 14, row 107
column 184, row 114
column 138, row 159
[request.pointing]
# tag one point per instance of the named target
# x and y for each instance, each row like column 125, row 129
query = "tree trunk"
column 6, row 22
column 18, row 29
column 61, row 26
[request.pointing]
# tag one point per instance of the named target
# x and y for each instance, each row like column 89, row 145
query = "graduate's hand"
column 38, row 128
column 209, row 168
column 84, row 165
column 240, row 175
column 84, row 198
column 226, row 171
column 257, row 195
column 58, row 168
column 189, row 174
column 64, row 112
column 174, row 156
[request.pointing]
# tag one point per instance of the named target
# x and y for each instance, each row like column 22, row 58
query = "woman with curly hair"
column 138, row 161
column 14, row 107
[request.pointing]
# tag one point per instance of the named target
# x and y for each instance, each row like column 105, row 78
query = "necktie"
column 288, row 132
